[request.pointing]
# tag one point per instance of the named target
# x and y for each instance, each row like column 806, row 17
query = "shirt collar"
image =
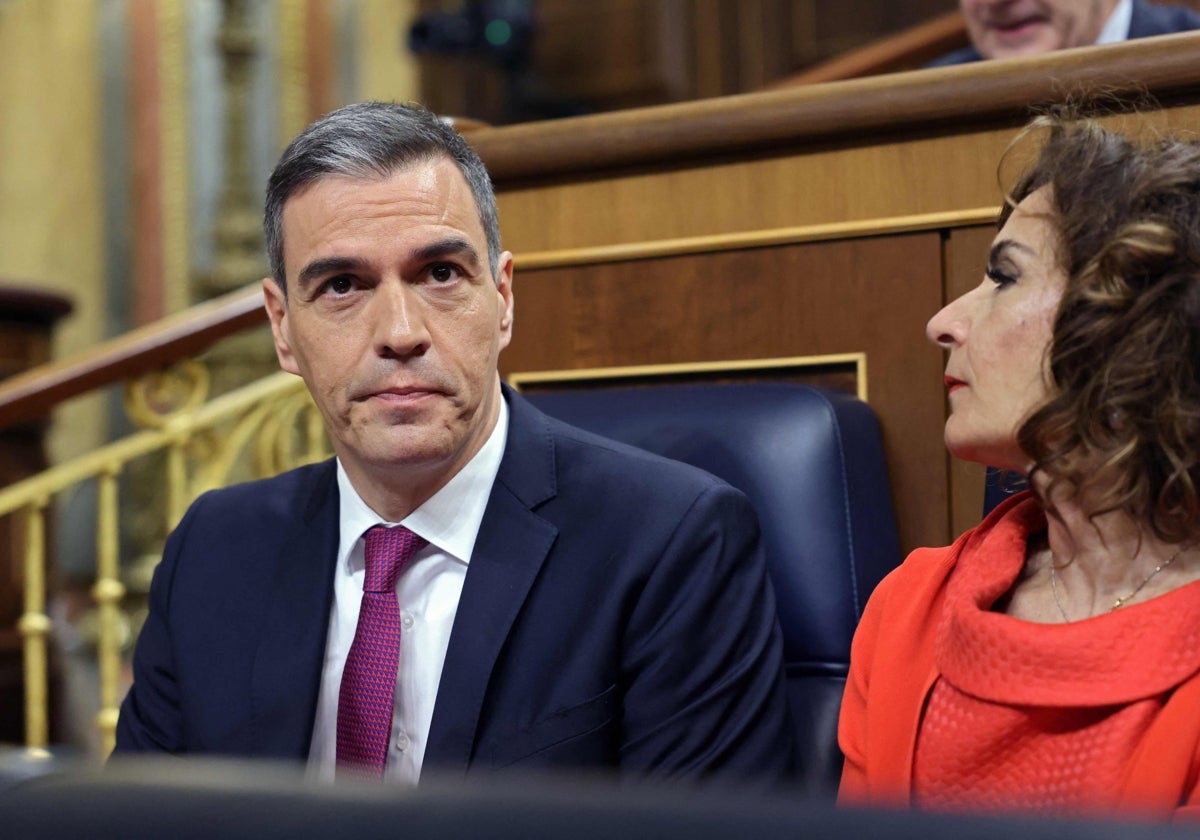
column 450, row 518
column 1116, row 28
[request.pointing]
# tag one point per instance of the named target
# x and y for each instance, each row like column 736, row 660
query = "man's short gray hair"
column 372, row 140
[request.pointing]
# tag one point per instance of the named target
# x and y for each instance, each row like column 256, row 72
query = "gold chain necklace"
column 1117, row 604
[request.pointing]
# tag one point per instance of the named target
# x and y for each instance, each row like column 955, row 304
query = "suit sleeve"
column 703, row 662
column 151, row 719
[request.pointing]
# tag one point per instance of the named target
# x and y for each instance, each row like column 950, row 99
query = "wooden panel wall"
column 833, row 219
column 824, row 185
column 871, row 295
column 871, row 292
column 602, row 55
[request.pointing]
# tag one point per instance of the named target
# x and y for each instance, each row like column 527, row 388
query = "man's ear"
column 276, row 303
column 504, row 280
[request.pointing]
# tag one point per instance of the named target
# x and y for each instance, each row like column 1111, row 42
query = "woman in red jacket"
column 1049, row 660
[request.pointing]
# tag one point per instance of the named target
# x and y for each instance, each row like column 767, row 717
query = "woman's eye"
column 1000, row 278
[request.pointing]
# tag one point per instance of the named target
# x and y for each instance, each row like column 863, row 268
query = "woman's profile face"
column 997, row 336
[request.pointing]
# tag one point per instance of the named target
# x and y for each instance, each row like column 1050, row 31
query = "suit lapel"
column 512, row 544
column 1140, row 24
column 291, row 647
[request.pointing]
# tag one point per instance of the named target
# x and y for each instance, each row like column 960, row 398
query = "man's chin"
column 391, row 452
column 416, row 458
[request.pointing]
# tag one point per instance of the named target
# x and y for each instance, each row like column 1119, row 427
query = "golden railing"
column 257, row 430
column 273, row 421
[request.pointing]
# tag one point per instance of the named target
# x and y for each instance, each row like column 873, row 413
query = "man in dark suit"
column 470, row 585
column 1014, row 28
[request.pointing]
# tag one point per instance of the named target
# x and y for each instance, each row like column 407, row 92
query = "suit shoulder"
column 1150, row 19
column 965, row 55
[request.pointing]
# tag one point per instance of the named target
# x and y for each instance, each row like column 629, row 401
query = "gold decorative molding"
column 238, row 228
column 152, row 400
column 291, row 39
column 107, row 592
column 223, row 408
column 174, row 97
column 520, row 379
column 754, row 239
column 35, row 625
column 273, row 420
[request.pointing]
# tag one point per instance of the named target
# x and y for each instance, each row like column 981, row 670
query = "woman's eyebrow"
column 999, row 249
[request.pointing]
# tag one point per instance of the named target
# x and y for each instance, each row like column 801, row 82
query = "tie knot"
column 388, row 551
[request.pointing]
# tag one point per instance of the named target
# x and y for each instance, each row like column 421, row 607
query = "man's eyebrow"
column 326, row 266
column 454, row 246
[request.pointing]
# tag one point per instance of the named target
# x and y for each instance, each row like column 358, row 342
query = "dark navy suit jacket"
column 616, row 614
column 1147, row 20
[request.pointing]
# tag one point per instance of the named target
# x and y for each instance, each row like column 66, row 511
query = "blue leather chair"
column 811, row 462
column 998, row 486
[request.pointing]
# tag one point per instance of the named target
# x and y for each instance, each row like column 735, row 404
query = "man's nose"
column 398, row 315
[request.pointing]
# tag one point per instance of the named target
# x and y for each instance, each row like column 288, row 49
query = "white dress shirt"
column 428, row 592
column 1116, row 28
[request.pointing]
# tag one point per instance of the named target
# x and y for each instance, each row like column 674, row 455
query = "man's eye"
column 442, row 273
column 340, row 285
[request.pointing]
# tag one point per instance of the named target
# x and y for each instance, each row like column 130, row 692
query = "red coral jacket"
column 893, row 668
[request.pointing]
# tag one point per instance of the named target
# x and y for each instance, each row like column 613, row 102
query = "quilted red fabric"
column 952, row 706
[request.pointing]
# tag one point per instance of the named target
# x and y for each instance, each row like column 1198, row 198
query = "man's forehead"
column 431, row 190
column 419, row 175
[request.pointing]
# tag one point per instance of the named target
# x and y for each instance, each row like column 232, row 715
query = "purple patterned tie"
column 364, row 716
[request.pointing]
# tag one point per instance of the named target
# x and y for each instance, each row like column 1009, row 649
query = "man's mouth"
column 1016, row 26
column 399, row 394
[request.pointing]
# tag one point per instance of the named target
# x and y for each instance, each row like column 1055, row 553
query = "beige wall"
column 51, row 167
column 385, row 71
column 51, row 231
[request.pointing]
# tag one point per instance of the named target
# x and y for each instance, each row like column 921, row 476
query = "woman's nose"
column 947, row 328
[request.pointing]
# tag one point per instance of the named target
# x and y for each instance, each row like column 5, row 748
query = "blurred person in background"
column 1016, row 28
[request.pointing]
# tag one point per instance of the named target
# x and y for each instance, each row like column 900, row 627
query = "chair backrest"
column 811, row 462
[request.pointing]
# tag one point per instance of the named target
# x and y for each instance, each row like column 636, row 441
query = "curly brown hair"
column 1122, row 429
